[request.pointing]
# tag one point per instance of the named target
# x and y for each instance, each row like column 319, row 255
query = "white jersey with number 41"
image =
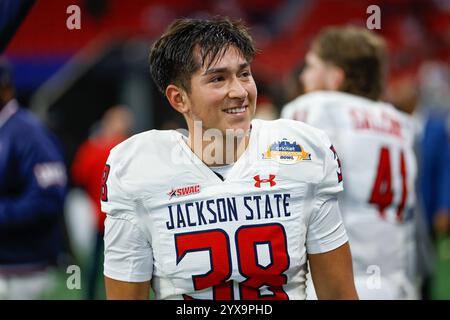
column 375, row 145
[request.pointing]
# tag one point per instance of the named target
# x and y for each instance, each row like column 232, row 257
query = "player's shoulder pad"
column 302, row 101
column 298, row 128
column 409, row 124
column 313, row 101
column 314, row 98
column 142, row 148
column 311, row 138
column 317, row 144
column 141, row 160
column 146, row 139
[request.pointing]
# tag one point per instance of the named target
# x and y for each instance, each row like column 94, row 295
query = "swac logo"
column 258, row 180
column 185, row 191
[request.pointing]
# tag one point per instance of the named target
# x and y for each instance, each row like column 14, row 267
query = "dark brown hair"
column 173, row 57
column 360, row 53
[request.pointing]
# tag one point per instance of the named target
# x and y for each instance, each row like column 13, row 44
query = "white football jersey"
column 171, row 219
column 375, row 144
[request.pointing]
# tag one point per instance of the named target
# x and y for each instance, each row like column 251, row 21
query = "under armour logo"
column 258, row 180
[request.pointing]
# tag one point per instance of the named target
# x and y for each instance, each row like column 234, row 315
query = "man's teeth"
column 235, row 110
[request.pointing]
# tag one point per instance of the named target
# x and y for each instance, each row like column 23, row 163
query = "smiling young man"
column 235, row 208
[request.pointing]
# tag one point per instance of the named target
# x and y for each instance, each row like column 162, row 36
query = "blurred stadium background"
column 70, row 77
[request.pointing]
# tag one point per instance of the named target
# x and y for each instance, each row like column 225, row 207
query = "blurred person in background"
column 433, row 115
column 87, row 171
column 403, row 93
column 32, row 192
column 343, row 78
column 434, row 109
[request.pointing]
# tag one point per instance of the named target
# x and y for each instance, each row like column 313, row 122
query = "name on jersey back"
column 385, row 123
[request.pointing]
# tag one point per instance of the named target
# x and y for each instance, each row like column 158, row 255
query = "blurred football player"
column 87, row 168
column 203, row 218
column 32, row 190
column 343, row 79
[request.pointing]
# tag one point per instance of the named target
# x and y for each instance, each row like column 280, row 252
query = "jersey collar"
column 208, row 171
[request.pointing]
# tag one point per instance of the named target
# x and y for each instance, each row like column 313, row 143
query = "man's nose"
column 237, row 90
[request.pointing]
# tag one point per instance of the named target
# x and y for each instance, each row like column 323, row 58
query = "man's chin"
column 239, row 127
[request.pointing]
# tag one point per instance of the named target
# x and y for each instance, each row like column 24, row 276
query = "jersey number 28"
column 247, row 238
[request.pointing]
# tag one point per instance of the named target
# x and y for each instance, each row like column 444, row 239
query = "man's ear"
column 335, row 78
column 177, row 98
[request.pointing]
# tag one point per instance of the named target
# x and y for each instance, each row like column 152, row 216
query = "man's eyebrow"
column 220, row 70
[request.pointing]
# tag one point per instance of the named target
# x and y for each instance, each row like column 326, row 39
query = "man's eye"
column 216, row 79
column 246, row 74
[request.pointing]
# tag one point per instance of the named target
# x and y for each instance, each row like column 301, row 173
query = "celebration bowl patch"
column 286, row 152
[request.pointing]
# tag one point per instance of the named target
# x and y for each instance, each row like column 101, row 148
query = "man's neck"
column 218, row 151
